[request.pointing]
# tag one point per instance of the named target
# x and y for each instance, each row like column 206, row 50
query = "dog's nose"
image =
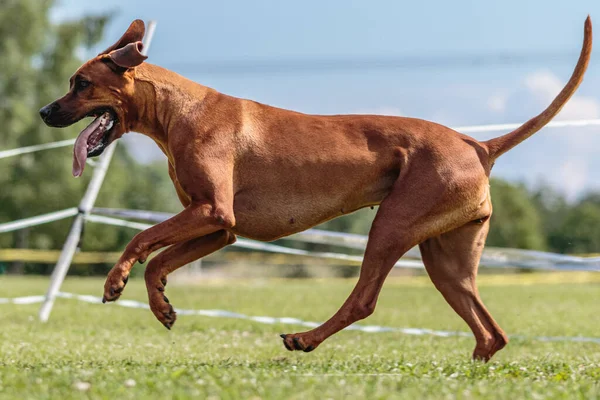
column 46, row 111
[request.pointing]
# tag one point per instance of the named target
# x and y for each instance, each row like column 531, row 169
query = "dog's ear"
column 134, row 33
column 129, row 56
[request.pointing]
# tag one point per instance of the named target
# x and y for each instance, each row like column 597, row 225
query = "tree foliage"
column 579, row 228
column 515, row 222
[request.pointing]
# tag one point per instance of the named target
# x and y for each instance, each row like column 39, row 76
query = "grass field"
column 107, row 351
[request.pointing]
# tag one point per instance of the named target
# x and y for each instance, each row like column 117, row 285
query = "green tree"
column 37, row 59
column 579, row 230
column 358, row 222
column 516, row 222
column 553, row 208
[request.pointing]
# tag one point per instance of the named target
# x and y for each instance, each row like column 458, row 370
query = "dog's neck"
column 160, row 97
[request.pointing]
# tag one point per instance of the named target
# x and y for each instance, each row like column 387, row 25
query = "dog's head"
column 102, row 88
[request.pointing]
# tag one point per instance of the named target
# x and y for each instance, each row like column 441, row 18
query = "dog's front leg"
column 172, row 258
column 196, row 220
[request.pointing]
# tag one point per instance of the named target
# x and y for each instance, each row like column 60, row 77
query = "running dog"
column 244, row 168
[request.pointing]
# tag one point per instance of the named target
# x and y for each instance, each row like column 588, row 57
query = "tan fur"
column 248, row 169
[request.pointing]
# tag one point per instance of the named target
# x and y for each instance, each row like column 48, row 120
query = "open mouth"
column 92, row 141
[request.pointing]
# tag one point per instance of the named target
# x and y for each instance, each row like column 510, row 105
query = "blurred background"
column 457, row 63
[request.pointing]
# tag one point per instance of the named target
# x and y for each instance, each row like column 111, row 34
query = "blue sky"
column 193, row 34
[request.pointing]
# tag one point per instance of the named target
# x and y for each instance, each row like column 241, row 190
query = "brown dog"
column 244, row 168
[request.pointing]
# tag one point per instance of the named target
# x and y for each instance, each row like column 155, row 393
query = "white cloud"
column 573, row 176
column 566, row 157
column 497, row 102
column 544, row 86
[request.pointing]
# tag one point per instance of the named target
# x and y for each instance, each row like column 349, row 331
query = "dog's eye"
column 81, row 84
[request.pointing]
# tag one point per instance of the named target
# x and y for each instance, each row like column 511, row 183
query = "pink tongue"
column 80, row 149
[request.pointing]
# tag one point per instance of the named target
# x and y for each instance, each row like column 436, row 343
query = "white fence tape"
column 510, row 127
column 116, row 222
column 290, row 320
column 492, row 256
column 37, row 147
column 22, row 300
column 254, row 245
column 37, row 220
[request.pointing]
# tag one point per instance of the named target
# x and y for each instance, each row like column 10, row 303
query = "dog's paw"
column 298, row 341
column 162, row 310
column 485, row 349
column 114, row 285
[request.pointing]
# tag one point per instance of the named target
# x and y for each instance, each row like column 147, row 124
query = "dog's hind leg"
column 452, row 259
column 173, row 258
column 411, row 213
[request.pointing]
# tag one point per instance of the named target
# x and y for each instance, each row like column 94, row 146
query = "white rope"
column 492, row 256
column 273, row 248
column 462, row 129
column 152, row 216
column 510, row 127
column 37, row 220
column 255, row 245
column 289, row 320
column 117, row 222
column 37, row 147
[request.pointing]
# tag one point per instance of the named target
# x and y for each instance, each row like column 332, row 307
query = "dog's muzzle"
column 47, row 111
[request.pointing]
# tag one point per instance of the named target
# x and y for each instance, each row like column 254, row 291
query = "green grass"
column 106, row 345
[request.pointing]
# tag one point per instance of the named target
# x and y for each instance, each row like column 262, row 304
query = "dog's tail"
column 502, row 144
